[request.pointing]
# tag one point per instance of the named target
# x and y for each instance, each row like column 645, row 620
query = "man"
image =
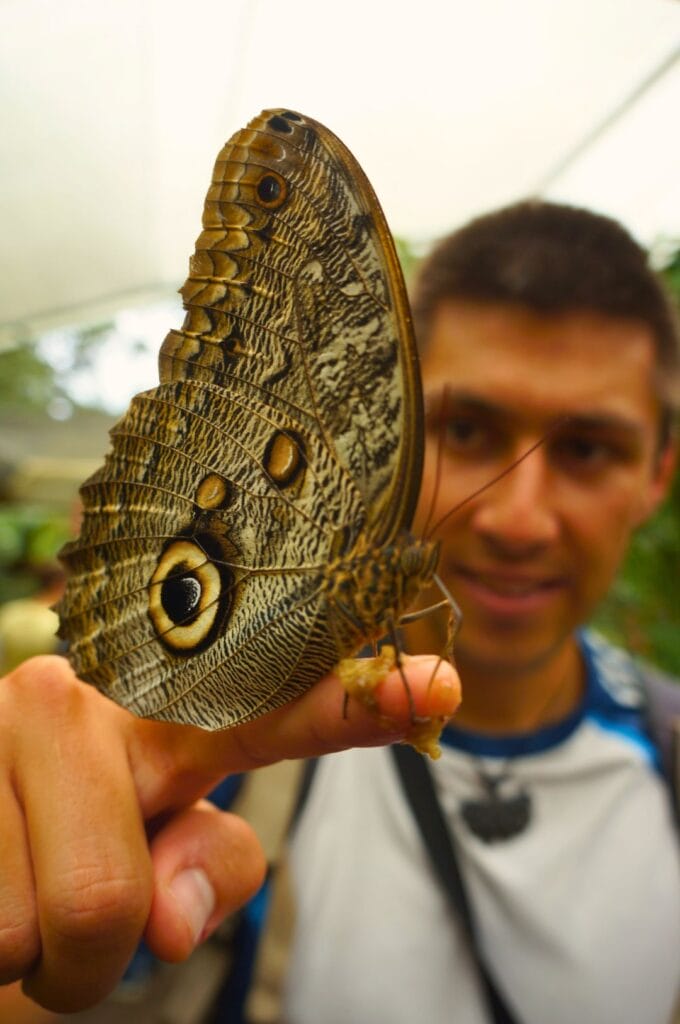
column 577, row 904
column 537, row 323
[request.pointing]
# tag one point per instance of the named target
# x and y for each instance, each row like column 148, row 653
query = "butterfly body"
column 371, row 587
column 249, row 527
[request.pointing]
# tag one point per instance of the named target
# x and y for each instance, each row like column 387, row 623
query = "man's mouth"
column 507, row 592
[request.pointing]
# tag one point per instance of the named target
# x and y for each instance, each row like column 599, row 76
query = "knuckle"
column 52, row 666
column 91, row 908
column 19, row 948
column 251, row 751
column 47, row 680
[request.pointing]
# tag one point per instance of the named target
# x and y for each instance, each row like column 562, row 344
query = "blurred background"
column 113, row 115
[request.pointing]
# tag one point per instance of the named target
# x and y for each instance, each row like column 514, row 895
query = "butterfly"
column 250, row 526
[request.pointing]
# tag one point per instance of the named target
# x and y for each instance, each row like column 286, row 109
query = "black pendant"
column 495, row 817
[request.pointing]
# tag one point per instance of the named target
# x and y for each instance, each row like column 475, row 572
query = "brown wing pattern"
column 303, row 297
column 286, row 430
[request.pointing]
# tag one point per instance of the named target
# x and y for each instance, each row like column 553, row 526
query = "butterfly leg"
column 344, row 672
column 425, row 730
column 454, row 620
column 360, row 676
column 396, row 643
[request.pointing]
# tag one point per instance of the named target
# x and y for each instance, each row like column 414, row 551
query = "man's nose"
column 519, row 510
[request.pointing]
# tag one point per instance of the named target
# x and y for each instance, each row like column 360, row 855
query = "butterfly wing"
column 287, row 424
column 300, row 294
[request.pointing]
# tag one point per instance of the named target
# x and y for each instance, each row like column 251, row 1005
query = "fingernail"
column 195, row 898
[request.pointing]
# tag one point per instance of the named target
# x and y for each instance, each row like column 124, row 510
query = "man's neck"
column 501, row 702
column 504, row 700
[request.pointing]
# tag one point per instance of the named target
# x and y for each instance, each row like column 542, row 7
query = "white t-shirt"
column 578, row 911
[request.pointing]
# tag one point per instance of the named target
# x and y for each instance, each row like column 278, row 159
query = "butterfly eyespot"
column 180, row 597
column 280, row 124
column 188, row 597
column 284, row 457
column 271, row 190
column 213, row 492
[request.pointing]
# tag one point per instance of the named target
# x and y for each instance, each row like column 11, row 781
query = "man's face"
column 530, row 557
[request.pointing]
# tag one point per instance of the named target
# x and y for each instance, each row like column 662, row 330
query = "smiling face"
column 530, row 557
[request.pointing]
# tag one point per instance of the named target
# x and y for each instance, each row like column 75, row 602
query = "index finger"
column 175, row 764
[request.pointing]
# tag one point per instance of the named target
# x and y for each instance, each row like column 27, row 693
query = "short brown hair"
column 553, row 258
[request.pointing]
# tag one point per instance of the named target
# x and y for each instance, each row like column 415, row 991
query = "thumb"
column 205, row 863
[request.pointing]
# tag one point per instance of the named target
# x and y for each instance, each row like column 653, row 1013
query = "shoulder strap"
column 663, row 716
column 419, row 789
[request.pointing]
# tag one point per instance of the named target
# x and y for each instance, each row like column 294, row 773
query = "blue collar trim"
column 612, row 694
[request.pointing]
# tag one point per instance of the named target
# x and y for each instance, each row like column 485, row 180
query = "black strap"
column 662, row 695
column 419, row 788
column 308, row 773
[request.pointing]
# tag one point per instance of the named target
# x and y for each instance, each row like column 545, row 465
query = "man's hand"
column 103, row 837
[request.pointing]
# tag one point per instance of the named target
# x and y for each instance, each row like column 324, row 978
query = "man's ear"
column 665, row 465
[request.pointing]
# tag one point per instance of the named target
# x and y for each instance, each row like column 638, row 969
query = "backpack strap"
column 263, row 1003
column 663, row 717
column 418, row 786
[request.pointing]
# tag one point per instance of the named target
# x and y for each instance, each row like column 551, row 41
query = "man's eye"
column 584, row 452
column 463, row 433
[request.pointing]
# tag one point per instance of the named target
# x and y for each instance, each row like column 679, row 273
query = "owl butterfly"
column 248, row 529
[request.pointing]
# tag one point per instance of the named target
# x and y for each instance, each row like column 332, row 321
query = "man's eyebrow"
column 443, row 399
column 440, row 401
column 603, row 421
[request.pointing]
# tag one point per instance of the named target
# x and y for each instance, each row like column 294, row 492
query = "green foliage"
column 28, row 378
column 30, row 537
column 25, row 378
column 407, row 257
column 642, row 611
column 671, row 274
column 86, row 341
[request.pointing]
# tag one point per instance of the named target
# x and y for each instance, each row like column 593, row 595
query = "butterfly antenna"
column 396, row 643
column 499, row 476
column 440, row 460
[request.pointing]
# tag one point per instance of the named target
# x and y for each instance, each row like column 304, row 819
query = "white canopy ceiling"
column 113, row 114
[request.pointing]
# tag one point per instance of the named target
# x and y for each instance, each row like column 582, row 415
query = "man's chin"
column 513, row 657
